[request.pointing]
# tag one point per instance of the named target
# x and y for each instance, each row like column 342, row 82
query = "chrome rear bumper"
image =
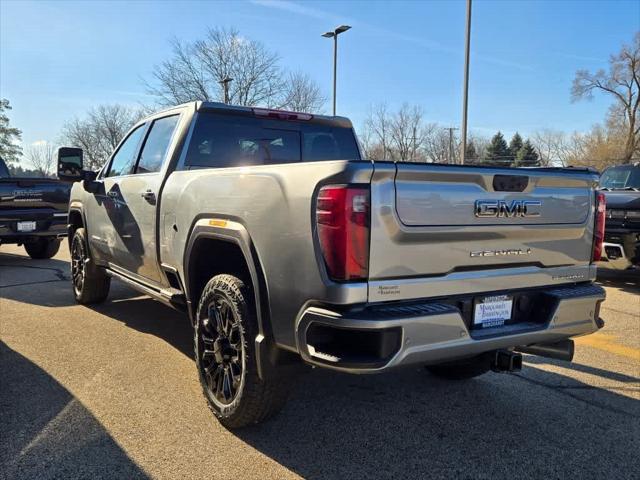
column 614, row 256
column 378, row 338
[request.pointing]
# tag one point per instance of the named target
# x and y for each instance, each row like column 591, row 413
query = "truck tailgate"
column 33, row 193
column 477, row 225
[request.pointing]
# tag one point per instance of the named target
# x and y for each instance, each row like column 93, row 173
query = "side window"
column 125, row 157
column 157, row 143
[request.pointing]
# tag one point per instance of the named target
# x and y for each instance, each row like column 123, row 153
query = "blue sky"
column 57, row 59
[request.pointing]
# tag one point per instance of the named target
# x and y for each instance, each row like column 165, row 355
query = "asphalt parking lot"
column 111, row 391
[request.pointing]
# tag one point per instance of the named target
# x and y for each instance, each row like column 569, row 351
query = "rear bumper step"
column 377, row 338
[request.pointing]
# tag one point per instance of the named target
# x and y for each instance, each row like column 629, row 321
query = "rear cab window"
column 231, row 140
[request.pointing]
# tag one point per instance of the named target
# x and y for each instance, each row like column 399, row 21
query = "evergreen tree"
column 515, row 145
column 527, row 156
column 470, row 152
column 498, row 151
column 10, row 151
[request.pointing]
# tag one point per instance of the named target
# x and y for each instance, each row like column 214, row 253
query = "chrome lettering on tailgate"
column 502, row 209
column 500, row 252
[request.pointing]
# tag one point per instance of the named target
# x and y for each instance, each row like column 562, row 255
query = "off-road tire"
column 90, row 282
column 42, row 248
column 254, row 400
column 462, row 369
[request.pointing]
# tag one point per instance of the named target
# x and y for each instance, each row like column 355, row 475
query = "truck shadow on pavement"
column 47, row 433
column 403, row 424
column 409, row 424
column 626, row 281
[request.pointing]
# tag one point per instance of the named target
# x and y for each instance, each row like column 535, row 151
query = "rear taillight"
column 598, row 235
column 342, row 219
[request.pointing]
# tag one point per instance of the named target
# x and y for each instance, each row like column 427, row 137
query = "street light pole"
column 225, row 88
column 451, row 129
column 334, row 35
column 335, row 72
column 465, row 91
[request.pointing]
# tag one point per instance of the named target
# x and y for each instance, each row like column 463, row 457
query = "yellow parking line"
column 606, row 342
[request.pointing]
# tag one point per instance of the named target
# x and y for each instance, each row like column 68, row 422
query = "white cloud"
column 293, row 7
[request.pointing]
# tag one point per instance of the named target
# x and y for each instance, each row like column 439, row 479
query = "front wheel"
column 42, row 248
column 90, row 282
column 225, row 356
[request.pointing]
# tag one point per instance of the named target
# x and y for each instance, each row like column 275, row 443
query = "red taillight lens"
column 598, row 235
column 281, row 114
column 342, row 218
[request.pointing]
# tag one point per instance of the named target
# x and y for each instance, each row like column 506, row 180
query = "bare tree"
column 622, row 81
column 196, row 72
column 408, row 133
column 438, row 144
column 99, row 132
column 42, row 157
column 553, row 146
column 377, row 136
column 398, row 136
column 302, row 94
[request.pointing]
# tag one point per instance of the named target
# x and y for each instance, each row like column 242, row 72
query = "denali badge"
column 500, row 208
column 500, row 253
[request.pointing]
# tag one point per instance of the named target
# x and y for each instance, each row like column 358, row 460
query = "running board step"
column 174, row 295
column 169, row 296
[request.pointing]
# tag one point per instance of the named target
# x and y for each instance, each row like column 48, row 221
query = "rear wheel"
column 225, row 356
column 42, row 247
column 90, row 282
column 462, row 369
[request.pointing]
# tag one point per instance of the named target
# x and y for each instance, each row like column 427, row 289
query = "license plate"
column 492, row 311
column 26, row 226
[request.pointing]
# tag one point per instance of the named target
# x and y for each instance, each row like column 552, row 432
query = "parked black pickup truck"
column 33, row 212
column 621, row 186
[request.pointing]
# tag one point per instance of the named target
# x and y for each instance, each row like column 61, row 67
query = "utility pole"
column 334, row 35
column 225, row 88
column 451, row 129
column 465, row 91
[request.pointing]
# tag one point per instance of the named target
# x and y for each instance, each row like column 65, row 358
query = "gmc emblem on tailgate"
column 503, row 209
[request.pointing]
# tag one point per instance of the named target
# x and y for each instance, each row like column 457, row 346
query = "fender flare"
column 77, row 207
column 235, row 233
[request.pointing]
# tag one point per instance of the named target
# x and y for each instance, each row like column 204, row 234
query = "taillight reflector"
column 342, row 220
column 598, row 234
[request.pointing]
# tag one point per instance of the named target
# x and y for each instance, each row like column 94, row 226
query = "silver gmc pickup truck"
column 286, row 248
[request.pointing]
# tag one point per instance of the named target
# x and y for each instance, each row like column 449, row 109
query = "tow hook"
column 506, row 361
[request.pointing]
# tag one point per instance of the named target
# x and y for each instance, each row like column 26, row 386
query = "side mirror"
column 70, row 164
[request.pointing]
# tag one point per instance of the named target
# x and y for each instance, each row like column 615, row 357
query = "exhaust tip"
column 562, row 350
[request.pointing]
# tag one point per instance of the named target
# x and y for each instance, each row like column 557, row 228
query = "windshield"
column 621, row 178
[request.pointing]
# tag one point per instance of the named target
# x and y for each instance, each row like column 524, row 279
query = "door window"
column 157, row 143
column 125, row 158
